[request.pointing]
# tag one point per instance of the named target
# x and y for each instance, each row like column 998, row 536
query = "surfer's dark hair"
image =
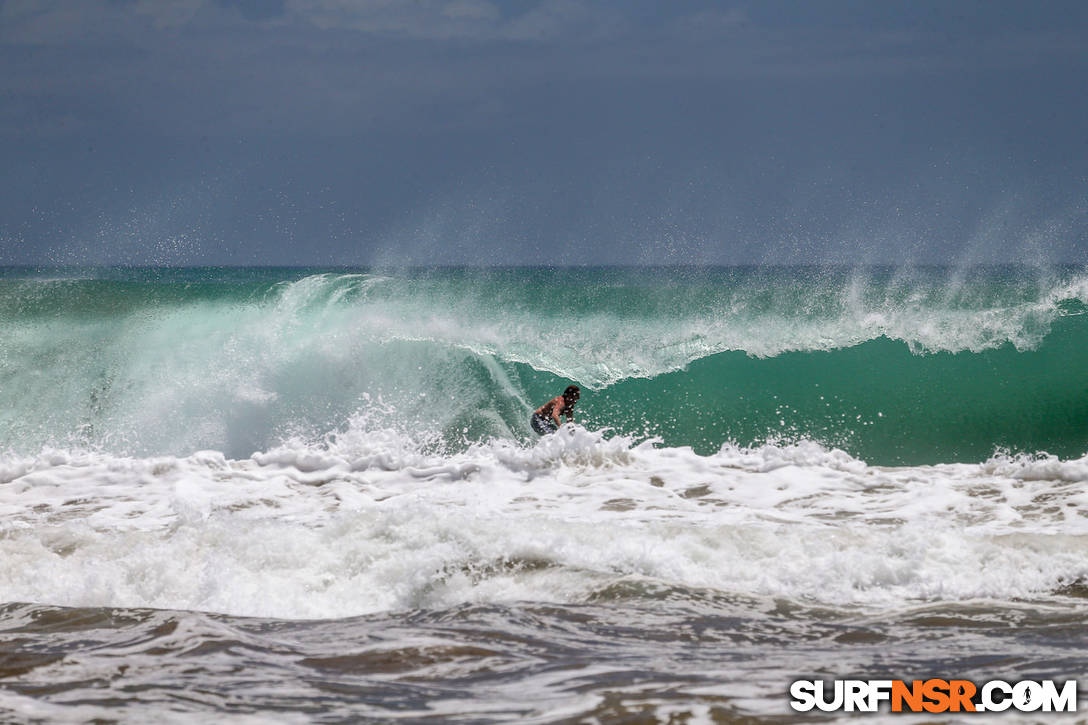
column 573, row 392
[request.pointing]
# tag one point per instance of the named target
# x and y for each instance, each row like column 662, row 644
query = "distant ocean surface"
column 306, row 495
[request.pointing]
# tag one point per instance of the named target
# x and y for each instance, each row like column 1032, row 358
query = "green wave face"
column 876, row 400
column 895, row 366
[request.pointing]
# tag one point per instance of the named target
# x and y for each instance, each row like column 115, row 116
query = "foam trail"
column 370, row 524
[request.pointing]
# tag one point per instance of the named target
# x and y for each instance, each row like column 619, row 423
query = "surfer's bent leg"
column 542, row 425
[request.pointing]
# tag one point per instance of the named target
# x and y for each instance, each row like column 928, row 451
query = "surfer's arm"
column 557, row 405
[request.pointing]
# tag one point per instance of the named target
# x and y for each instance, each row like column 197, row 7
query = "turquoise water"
column 895, row 366
column 305, row 494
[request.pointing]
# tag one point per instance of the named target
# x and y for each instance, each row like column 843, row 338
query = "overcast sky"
column 542, row 131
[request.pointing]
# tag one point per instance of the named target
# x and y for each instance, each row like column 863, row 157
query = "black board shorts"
column 542, row 425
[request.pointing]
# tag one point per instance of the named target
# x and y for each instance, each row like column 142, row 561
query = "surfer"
column 546, row 417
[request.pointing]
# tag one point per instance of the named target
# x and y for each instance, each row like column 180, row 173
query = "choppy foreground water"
column 582, row 579
column 639, row 653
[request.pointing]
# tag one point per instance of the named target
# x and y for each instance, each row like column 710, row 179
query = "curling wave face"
column 894, row 366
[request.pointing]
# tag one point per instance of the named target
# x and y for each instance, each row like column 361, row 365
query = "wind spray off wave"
column 895, row 366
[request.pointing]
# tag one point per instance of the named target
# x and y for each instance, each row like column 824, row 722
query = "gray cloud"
column 522, row 131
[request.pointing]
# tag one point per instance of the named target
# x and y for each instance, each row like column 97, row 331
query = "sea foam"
column 357, row 527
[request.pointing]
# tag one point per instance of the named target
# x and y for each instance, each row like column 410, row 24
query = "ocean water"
column 291, row 495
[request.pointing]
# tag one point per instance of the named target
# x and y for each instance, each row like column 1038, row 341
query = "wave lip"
column 894, row 366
